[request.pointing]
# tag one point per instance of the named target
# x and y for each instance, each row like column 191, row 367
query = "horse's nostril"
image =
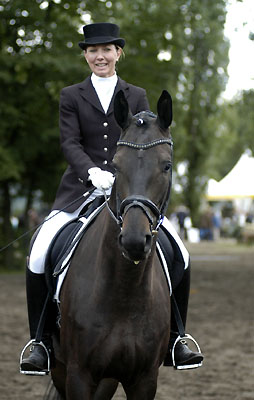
column 136, row 247
column 120, row 239
column 148, row 242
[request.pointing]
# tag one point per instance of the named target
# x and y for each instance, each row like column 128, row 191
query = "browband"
column 144, row 146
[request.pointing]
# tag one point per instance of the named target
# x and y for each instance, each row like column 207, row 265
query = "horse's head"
column 143, row 163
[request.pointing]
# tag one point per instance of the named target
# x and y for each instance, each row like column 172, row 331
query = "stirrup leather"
column 190, row 366
column 32, row 343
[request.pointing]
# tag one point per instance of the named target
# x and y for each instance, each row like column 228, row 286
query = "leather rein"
column 142, row 202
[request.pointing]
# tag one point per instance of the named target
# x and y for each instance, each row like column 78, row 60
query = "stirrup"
column 42, row 372
column 190, row 366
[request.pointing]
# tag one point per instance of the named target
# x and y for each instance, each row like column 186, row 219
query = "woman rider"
column 88, row 134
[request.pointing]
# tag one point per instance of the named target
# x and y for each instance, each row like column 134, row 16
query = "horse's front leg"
column 145, row 388
column 79, row 385
column 106, row 389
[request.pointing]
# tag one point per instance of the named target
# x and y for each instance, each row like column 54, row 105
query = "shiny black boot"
column 38, row 361
column 179, row 354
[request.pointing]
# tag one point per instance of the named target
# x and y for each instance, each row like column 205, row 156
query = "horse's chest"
column 117, row 338
column 123, row 348
column 127, row 342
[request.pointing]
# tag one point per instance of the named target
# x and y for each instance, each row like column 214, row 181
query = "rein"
column 85, row 195
column 140, row 201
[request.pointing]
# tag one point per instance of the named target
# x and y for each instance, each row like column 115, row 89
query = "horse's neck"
column 124, row 276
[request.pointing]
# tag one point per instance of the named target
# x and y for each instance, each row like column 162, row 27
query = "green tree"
column 200, row 83
column 234, row 133
column 243, row 108
column 173, row 45
column 36, row 54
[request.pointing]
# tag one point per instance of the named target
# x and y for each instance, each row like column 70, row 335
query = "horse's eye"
column 167, row 166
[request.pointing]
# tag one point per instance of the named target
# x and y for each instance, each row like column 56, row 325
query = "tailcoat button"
column 105, row 162
column 105, row 124
column 105, row 137
column 105, row 149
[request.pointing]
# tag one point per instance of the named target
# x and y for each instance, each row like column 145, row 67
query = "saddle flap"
column 66, row 240
column 172, row 255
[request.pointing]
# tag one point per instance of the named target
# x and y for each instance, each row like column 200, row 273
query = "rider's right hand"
column 101, row 179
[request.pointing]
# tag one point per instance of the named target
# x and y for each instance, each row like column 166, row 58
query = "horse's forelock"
column 144, row 114
column 143, row 117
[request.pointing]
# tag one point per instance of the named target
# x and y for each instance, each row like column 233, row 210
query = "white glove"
column 102, row 180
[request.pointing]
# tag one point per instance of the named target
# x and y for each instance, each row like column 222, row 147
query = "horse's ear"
column 164, row 110
column 121, row 110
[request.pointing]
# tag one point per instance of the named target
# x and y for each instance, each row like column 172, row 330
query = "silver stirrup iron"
column 191, row 366
column 43, row 372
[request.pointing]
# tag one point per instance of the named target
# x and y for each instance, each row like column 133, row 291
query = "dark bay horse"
column 115, row 302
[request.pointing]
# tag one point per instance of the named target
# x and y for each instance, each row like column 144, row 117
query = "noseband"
column 140, row 201
column 143, row 203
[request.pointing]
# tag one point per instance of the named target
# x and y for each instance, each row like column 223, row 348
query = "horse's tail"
column 51, row 393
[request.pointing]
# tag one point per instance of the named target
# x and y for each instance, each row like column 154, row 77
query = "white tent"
column 237, row 184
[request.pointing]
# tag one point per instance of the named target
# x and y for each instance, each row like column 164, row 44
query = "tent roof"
column 238, row 183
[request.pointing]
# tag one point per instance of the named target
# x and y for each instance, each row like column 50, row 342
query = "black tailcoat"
column 88, row 136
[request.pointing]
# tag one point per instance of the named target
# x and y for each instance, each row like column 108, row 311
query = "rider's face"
column 102, row 59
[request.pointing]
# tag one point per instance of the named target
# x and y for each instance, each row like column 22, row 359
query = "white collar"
column 104, row 88
column 97, row 80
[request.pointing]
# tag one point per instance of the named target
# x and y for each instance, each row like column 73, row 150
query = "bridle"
column 146, row 205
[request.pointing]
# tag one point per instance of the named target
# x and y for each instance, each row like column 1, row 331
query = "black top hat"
column 100, row 33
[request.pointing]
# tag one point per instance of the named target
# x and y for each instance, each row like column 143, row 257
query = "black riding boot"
column 37, row 292
column 184, row 357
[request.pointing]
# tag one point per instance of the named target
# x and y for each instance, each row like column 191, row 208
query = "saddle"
column 66, row 238
column 65, row 241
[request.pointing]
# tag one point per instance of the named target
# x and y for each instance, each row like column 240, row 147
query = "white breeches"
column 53, row 223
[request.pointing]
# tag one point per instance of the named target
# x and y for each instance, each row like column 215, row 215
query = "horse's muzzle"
column 135, row 247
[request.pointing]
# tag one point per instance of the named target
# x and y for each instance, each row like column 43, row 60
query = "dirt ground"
column 220, row 317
